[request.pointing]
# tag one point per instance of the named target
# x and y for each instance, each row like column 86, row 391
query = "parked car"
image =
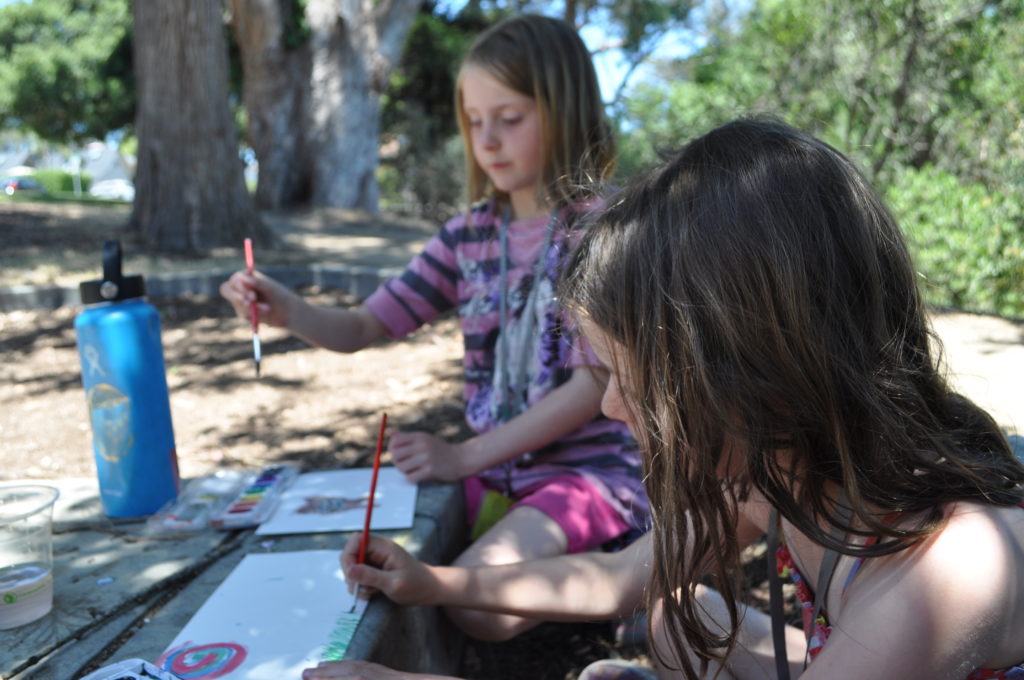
column 114, row 190
column 14, row 185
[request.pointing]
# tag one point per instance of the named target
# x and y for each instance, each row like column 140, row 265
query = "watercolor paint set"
column 202, row 499
column 226, row 499
column 257, row 499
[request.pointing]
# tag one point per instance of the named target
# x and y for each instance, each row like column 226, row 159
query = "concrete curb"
column 358, row 281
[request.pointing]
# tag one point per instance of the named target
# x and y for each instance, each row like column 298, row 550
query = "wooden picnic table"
column 121, row 593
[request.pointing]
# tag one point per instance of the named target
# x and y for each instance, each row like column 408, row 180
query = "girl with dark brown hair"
column 769, row 348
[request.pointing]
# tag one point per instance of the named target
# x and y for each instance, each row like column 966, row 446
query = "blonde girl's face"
column 506, row 137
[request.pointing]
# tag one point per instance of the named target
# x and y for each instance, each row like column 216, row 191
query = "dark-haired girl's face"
column 614, row 401
column 610, row 354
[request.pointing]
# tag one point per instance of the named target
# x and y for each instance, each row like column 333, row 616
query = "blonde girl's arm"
column 337, row 329
column 565, row 409
column 421, row 456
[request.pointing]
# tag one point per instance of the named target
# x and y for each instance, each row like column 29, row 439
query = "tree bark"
column 354, row 45
column 276, row 76
column 314, row 108
column 190, row 190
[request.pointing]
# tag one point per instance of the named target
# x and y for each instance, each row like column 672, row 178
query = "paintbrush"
column 365, row 538
column 254, row 311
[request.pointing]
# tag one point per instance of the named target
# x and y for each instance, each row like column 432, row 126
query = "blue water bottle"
column 126, row 391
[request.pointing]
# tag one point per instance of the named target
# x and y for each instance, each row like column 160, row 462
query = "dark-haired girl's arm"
column 581, row 587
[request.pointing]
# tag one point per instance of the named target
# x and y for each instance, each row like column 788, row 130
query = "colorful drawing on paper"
column 212, row 660
column 329, row 505
column 335, row 500
column 305, row 589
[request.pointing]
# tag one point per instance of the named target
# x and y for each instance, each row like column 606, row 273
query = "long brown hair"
column 545, row 59
column 764, row 299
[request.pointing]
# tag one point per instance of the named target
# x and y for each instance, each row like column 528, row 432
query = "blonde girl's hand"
column 421, row 456
column 388, row 569
column 275, row 302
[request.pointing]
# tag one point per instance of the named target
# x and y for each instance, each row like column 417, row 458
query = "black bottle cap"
column 114, row 286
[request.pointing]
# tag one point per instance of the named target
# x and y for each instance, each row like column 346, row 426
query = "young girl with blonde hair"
column 769, row 347
column 551, row 473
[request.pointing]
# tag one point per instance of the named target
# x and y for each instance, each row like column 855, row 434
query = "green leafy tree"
column 911, row 88
column 66, row 67
column 890, row 81
column 634, row 27
column 968, row 240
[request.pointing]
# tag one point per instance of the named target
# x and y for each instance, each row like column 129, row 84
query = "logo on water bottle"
column 92, row 360
column 110, row 411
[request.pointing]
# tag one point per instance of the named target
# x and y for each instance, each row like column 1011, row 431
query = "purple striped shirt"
column 460, row 268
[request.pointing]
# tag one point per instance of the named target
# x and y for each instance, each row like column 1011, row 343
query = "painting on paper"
column 335, row 500
column 238, row 632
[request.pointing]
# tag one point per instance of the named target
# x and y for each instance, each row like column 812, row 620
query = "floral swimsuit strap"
column 828, row 566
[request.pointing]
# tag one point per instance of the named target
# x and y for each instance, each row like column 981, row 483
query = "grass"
column 58, row 197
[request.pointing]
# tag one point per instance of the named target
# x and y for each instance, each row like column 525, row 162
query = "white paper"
column 335, row 500
column 274, row 615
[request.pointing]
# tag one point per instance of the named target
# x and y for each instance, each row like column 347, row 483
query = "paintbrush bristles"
column 256, row 350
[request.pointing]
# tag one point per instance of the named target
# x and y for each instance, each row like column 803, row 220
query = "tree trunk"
column 354, row 45
column 276, row 76
column 190, row 190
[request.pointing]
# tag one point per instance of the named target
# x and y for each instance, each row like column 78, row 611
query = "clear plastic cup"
column 26, row 553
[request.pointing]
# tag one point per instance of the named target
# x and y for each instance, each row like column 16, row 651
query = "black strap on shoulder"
column 776, row 604
column 775, row 599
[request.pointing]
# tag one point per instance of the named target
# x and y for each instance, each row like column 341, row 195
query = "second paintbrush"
column 365, row 538
column 254, row 310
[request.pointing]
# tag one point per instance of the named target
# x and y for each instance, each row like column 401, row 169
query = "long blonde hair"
column 545, row 59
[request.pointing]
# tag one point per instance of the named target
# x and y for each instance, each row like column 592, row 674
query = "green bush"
column 967, row 240
column 59, row 181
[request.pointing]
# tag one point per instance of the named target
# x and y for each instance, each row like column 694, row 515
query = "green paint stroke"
column 340, row 637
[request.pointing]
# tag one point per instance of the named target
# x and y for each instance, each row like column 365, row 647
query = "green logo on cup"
column 9, row 598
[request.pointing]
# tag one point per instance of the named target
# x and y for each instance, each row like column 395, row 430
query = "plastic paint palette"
column 257, row 500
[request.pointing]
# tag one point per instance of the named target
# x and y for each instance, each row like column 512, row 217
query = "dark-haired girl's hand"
column 388, row 569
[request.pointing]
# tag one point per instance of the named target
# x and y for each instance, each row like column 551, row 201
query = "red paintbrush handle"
column 250, row 265
column 250, row 261
column 365, row 538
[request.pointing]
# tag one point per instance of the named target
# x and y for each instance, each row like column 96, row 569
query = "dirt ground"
column 310, row 406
